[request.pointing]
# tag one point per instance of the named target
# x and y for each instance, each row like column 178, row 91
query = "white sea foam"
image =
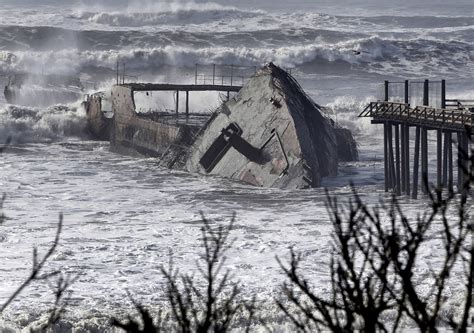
column 123, row 215
column 28, row 124
column 345, row 111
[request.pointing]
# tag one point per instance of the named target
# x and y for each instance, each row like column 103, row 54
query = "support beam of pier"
column 426, row 93
column 450, row 163
column 467, row 140
column 391, row 159
column 407, row 90
column 460, row 161
column 465, row 149
column 187, row 103
column 407, row 158
column 177, row 101
column 439, row 158
column 385, row 156
column 397, row 160
column 406, row 145
column 443, row 94
column 424, row 160
column 403, row 158
column 416, row 163
column 445, row 159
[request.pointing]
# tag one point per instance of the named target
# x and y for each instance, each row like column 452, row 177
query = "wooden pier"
column 451, row 118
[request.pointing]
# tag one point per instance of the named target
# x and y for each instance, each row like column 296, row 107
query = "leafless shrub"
column 210, row 303
column 376, row 251
column 2, row 214
column 61, row 287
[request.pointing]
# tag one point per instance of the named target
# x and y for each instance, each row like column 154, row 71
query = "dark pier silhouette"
column 452, row 120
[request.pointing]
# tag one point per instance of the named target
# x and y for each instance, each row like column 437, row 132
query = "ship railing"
column 228, row 75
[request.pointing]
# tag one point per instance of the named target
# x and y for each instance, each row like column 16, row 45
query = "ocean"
column 123, row 215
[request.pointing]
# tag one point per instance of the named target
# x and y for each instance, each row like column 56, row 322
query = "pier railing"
column 456, row 119
column 225, row 75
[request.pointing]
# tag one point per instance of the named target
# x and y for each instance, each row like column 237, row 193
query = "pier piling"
column 177, row 101
column 416, row 161
column 439, row 158
column 445, row 159
column 187, row 103
column 385, row 155
column 424, row 160
column 403, row 158
column 397, row 159
column 391, row 158
column 450, row 162
column 407, row 159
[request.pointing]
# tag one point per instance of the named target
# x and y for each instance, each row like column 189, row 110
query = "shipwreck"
column 267, row 133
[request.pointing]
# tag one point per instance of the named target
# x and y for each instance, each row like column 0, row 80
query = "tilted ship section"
column 269, row 134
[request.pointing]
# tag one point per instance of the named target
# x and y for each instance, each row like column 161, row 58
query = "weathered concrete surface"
column 98, row 125
column 346, row 145
column 273, row 102
column 133, row 132
column 270, row 134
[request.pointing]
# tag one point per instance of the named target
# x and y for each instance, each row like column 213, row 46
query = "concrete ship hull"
column 269, row 134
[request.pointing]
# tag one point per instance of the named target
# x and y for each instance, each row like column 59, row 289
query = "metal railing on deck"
column 224, row 75
column 435, row 117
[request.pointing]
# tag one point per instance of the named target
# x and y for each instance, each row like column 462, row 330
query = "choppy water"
column 123, row 215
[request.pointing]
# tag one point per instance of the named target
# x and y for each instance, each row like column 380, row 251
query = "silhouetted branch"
column 147, row 325
column 375, row 253
column 208, row 302
column 2, row 214
column 38, row 265
column 61, row 301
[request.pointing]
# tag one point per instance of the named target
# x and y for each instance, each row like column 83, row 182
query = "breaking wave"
column 372, row 54
column 27, row 124
column 165, row 13
column 345, row 111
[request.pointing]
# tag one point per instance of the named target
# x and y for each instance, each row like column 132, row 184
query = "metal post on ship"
column 196, row 75
column 213, row 74
column 117, row 73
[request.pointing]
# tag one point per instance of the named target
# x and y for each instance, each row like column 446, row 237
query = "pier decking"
column 453, row 117
column 180, row 87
